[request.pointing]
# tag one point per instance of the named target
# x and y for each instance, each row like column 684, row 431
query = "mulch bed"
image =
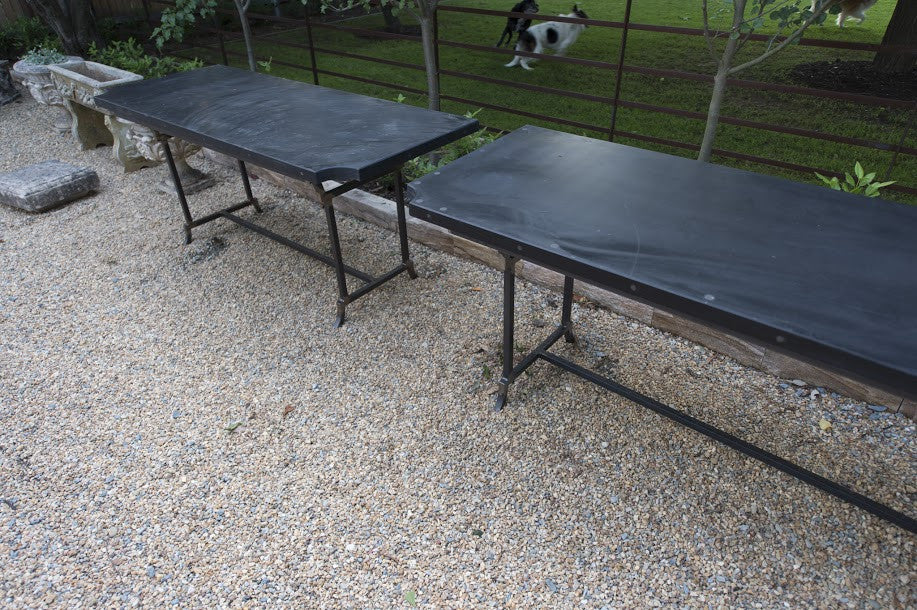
column 856, row 77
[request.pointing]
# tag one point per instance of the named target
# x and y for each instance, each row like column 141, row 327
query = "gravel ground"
column 181, row 425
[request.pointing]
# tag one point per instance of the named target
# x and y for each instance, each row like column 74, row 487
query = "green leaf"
column 410, row 597
column 486, row 372
column 869, row 177
column 858, row 169
column 232, row 427
column 850, row 179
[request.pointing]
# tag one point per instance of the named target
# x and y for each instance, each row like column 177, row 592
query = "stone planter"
column 37, row 79
column 137, row 146
column 78, row 84
column 134, row 146
column 8, row 91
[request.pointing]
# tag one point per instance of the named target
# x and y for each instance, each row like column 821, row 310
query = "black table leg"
column 402, row 225
column 565, row 318
column 343, row 296
column 509, row 304
column 248, row 186
column 189, row 221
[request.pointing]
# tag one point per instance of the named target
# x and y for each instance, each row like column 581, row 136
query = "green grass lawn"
column 648, row 49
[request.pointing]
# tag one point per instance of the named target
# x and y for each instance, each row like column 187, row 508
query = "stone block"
column 46, row 185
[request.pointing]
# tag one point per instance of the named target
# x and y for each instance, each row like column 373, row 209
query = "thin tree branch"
column 788, row 41
column 748, row 34
column 407, row 6
column 770, row 10
column 708, row 38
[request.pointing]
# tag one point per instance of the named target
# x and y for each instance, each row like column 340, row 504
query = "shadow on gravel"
column 206, row 250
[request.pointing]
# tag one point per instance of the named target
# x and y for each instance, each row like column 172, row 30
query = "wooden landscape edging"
column 381, row 212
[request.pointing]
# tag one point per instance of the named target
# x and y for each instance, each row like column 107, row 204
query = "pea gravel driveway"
column 181, row 425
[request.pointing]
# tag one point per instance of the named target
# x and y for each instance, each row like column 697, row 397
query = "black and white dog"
column 548, row 35
column 516, row 25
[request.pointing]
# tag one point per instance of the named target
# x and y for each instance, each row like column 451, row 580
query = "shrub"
column 129, row 55
column 23, row 34
column 423, row 165
column 43, row 56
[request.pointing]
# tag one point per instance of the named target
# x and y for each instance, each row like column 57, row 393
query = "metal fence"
column 895, row 148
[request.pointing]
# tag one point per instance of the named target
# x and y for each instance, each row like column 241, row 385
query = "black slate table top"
column 822, row 274
column 300, row 130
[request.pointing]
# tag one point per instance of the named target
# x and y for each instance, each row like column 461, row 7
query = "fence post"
column 907, row 130
column 147, row 13
column 614, row 103
column 218, row 22
column 311, row 46
column 439, row 86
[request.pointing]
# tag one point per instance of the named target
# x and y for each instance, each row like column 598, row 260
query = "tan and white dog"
column 850, row 9
column 549, row 35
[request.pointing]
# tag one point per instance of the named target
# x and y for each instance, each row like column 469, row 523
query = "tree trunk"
column 72, row 21
column 247, row 35
column 426, row 18
column 901, row 30
column 713, row 114
column 719, row 91
column 392, row 23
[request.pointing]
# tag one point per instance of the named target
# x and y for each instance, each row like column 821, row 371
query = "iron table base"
column 565, row 329
column 335, row 260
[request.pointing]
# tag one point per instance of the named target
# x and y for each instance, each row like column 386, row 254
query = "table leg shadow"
column 336, row 260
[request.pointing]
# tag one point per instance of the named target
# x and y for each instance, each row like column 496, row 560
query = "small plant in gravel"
column 862, row 184
column 43, row 56
column 129, row 55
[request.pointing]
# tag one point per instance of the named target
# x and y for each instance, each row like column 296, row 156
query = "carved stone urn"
column 78, row 84
column 37, row 79
column 137, row 146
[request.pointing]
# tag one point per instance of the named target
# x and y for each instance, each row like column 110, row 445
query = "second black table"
column 299, row 130
column 827, row 277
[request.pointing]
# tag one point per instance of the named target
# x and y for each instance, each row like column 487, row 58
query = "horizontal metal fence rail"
column 857, row 98
column 528, row 87
column 531, row 115
column 364, row 31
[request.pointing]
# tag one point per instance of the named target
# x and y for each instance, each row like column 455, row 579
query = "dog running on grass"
column 515, row 25
column 850, row 9
column 554, row 35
